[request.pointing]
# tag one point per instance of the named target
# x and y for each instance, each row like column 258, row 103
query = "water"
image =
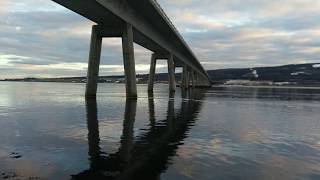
column 50, row 131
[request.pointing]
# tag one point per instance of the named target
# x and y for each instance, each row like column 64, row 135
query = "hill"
column 298, row 74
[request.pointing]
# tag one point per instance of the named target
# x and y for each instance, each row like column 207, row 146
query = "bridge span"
column 145, row 23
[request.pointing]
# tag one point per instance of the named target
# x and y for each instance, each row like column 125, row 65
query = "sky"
column 39, row 38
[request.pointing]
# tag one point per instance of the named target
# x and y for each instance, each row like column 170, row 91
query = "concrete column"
column 188, row 78
column 152, row 73
column 204, row 81
column 201, row 83
column 184, row 82
column 184, row 93
column 208, row 82
column 196, row 79
column 171, row 95
column 183, row 77
column 128, row 61
column 171, row 72
column 193, row 78
column 94, row 62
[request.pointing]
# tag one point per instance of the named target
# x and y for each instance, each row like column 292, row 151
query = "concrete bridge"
column 145, row 23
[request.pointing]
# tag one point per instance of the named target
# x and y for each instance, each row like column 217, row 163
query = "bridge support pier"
column 171, row 71
column 197, row 83
column 185, row 77
column 193, row 78
column 189, row 78
column 98, row 32
column 94, row 62
column 128, row 61
column 201, row 81
column 196, row 79
column 152, row 72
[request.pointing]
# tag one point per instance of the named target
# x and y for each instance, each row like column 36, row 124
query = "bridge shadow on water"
column 147, row 155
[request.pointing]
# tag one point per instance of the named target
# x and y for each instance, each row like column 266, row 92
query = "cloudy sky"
column 39, row 38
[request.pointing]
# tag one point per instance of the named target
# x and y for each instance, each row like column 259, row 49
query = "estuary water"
column 51, row 131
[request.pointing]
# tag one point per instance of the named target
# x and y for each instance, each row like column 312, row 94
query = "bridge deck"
column 147, row 11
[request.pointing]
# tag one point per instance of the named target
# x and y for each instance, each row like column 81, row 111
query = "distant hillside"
column 289, row 73
column 301, row 74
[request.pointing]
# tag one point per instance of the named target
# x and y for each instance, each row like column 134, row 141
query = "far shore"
column 213, row 86
column 271, row 86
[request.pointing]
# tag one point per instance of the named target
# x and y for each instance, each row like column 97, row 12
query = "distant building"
column 249, row 83
column 282, row 83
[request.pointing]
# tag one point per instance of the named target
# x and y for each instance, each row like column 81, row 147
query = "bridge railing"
column 162, row 12
column 157, row 5
column 164, row 15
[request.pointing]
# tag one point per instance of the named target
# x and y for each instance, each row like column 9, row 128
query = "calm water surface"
column 50, row 131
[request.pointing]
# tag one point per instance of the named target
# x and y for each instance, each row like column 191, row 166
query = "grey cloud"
column 30, row 62
column 235, row 33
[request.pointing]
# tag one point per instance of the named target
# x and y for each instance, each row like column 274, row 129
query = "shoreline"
column 270, row 87
column 213, row 86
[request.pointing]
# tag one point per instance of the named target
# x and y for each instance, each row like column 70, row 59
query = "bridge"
column 142, row 22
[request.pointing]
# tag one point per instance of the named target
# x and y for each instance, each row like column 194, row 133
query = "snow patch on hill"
column 255, row 73
column 300, row 73
column 316, row 66
column 297, row 73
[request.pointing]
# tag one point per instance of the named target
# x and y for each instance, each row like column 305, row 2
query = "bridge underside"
column 143, row 23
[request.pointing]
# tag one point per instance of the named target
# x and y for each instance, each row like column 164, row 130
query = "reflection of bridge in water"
column 148, row 155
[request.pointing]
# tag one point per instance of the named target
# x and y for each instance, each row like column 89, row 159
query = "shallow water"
column 50, row 131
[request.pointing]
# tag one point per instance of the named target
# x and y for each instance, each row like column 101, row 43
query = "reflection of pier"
column 146, row 156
